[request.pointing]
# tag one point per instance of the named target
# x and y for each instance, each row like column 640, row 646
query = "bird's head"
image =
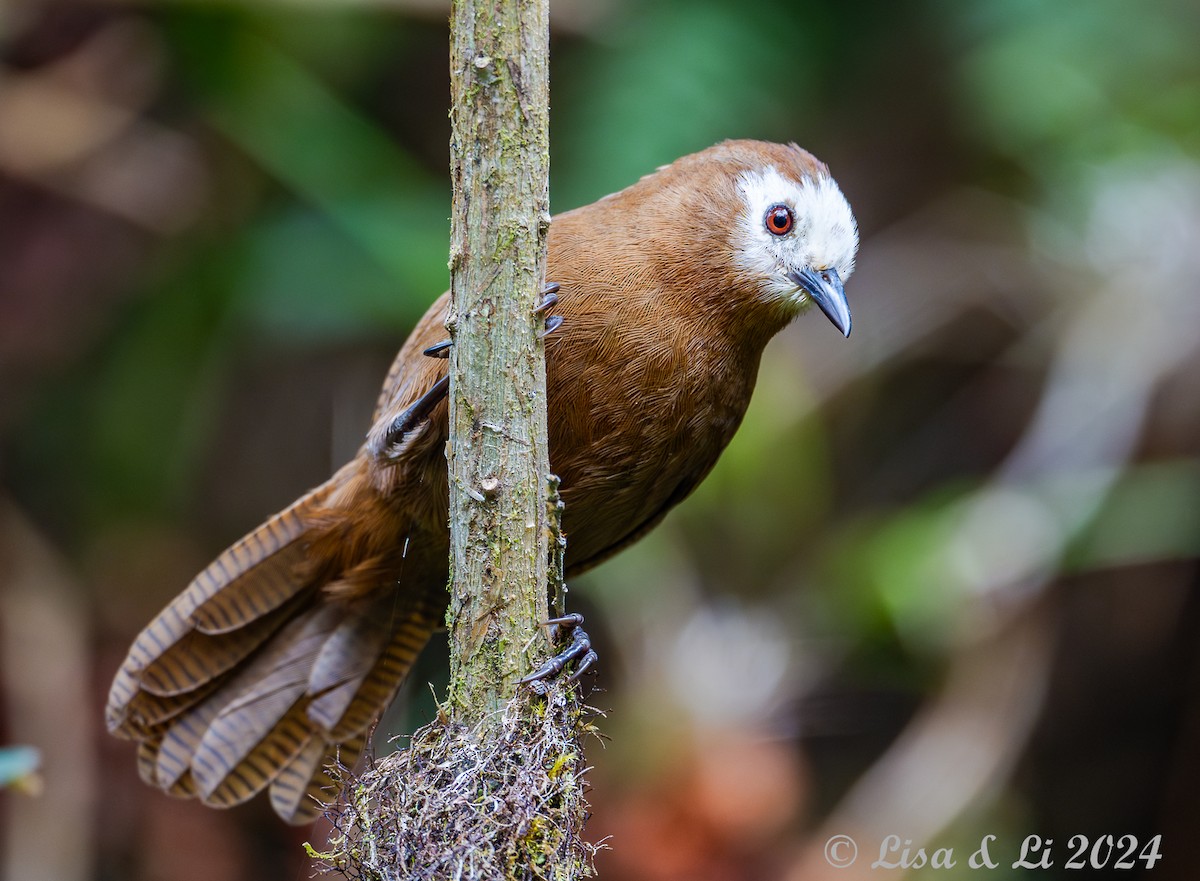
column 743, row 222
column 795, row 233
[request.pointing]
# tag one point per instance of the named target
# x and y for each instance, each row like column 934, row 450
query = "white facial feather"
column 824, row 235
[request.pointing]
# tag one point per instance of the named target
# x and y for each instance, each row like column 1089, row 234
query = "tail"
column 262, row 673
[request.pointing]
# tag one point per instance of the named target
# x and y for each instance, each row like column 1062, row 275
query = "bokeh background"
column 943, row 583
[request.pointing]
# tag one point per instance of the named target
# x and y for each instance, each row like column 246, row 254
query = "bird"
column 277, row 659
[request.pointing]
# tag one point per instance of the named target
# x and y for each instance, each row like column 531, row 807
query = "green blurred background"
column 941, row 585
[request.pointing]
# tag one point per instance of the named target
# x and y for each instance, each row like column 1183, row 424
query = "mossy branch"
column 499, row 459
column 493, row 789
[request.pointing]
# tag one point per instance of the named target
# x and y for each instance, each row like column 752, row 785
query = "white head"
column 799, row 238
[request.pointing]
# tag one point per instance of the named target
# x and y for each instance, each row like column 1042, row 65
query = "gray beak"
column 825, row 288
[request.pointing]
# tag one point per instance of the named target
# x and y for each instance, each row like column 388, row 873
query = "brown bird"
column 294, row 640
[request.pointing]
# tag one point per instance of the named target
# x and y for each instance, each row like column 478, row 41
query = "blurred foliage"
column 206, row 279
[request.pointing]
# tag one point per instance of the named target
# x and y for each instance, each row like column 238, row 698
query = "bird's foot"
column 412, row 416
column 553, row 322
column 549, row 301
column 579, row 650
column 549, row 297
column 420, row 410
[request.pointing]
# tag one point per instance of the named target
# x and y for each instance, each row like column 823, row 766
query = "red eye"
column 779, row 220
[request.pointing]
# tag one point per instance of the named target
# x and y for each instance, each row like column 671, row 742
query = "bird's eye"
column 779, row 220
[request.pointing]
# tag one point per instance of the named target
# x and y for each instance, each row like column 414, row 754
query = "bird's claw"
column 549, row 296
column 579, row 650
column 549, row 301
column 553, row 322
column 413, row 415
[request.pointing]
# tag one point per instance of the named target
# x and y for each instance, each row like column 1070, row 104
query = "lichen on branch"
column 492, row 790
column 498, row 457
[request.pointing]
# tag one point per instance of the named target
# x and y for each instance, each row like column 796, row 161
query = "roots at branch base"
column 500, row 802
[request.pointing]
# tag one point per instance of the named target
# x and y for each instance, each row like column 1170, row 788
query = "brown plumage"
column 296, row 638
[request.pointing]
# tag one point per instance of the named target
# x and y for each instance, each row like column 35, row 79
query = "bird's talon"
column 580, row 650
column 439, row 350
column 590, row 658
column 548, row 670
column 549, row 301
column 574, row 619
column 412, row 416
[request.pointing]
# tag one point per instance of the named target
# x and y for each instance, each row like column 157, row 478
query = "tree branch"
column 498, row 451
column 493, row 789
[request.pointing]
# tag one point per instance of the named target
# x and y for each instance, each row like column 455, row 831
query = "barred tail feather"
column 306, row 782
column 268, row 668
column 172, row 657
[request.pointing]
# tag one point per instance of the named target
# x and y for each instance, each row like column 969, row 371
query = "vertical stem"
column 498, row 451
